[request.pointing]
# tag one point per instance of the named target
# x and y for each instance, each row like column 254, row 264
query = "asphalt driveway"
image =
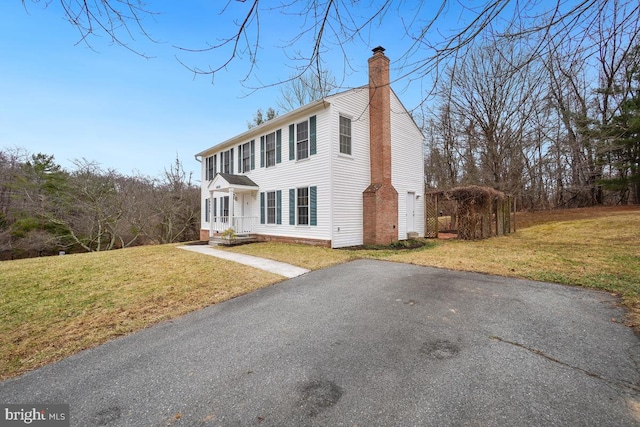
column 368, row 343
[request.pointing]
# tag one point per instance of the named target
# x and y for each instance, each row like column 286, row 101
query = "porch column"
column 231, row 209
column 211, row 213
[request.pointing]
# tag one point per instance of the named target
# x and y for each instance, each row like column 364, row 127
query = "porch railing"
column 240, row 224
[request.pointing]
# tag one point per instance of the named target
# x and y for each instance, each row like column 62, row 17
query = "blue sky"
column 133, row 114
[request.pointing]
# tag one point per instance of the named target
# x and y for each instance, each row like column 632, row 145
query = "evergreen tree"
column 621, row 142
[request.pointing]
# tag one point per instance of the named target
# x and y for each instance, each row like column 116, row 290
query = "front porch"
column 232, row 210
column 228, row 231
column 239, row 224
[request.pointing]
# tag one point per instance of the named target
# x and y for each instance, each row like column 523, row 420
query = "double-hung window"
column 209, row 168
column 226, row 161
column 270, row 143
column 246, row 157
column 303, row 205
column 302, row 140
column 271, row 207
column 345, row 135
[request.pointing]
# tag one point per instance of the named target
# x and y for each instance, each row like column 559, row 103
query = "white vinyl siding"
column 407, row 166
column 337, row 178
column 354, row 169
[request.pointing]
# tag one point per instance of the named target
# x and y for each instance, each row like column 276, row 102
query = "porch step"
column 240, row 239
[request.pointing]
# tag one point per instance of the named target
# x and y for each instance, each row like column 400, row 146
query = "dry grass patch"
column 53, row 307
column 305, row 256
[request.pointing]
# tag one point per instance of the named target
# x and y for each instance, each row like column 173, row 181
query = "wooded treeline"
column 45, row 209
column 554, row 128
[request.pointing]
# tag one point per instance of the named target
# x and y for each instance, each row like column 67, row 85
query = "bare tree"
column 306, row 88
column 335, row 24
column 89, row 212
column 119, row 20
column 496, row 103
column 260, row 117
column 176, row 206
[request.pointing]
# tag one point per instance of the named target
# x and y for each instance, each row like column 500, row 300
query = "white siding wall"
column 350, row 174
column 313, row 171
column 407, row 166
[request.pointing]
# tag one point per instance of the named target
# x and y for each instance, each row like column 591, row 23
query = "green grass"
column 53, row 307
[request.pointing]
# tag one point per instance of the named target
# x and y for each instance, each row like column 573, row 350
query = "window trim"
column 268, row 160
column 340, row 135
column 271, row 211
column 300, row 207
column 225, row 161
column 311, row 206
column 246, row 157
column 304, row 143
column 209, row 168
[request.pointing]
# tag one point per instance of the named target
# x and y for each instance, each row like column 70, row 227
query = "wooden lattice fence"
column 474, row 212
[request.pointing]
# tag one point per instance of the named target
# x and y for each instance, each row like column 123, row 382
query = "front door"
column 411, row 212
column 245, row 212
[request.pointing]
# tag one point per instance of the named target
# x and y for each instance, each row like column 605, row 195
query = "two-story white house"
column 342, row 171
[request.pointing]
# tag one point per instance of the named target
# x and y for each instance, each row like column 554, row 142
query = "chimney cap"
column 378, row 49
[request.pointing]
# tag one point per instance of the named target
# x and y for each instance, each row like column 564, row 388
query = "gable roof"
column 225, row 181
column 238, row 180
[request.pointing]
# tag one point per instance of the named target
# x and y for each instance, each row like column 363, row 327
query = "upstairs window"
column 246, row 157
column 345, row 135
column 210, row 167
column 270, row 149
column 302, row 140
column 226, row 162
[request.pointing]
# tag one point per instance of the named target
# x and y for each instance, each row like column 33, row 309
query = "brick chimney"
column 380, row 199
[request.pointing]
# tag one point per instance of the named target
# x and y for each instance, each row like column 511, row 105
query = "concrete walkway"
column 281, row 268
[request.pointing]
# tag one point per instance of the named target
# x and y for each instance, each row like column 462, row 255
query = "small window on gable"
column 302, row 140
column 345, row 135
